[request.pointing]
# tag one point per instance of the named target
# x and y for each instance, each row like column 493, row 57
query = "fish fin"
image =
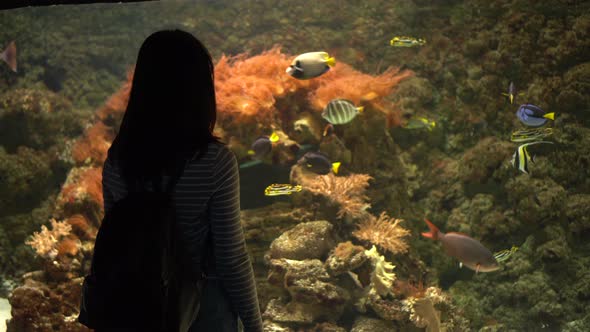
column 505, row 94
column 274, row 137
column 550, row 116
column 460, row 264
column 251, row 152
column 511, row 99
column 533, row 158
column 327, row 129
column 9, row 56
column 477, row 268
column 360, row 109
column 331, row 61
column 336, row 167
column 433, row 234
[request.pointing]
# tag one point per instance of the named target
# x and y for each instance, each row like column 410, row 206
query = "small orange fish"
column 466, row 249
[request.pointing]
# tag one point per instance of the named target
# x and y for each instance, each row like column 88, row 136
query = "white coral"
column 382, row 277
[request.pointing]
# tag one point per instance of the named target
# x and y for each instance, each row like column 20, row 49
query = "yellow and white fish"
column 521, row 157
column 310, row 65
column 529, row 135
column 278, row 189
column 504, row 255
column 419, row 123
column 404, row 41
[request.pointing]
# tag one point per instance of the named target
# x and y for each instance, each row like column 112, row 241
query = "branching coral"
column 346, row 191
column 383, row 231
column 46, row 241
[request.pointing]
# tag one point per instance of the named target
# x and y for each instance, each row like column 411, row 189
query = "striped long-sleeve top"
column 212, row 182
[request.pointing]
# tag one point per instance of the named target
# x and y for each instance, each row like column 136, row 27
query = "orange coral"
column 384, row 232
column 246, row 87
column 94, row 145
column 68, row 246
column 117, row 103
column 81, row 227
column 346, row 191
column 83, row 183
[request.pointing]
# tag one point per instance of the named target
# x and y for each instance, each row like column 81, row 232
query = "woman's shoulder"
column 221, row 150
column 216, row 152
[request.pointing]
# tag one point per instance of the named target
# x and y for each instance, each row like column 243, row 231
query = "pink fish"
column 9, row 56
column 466, row 249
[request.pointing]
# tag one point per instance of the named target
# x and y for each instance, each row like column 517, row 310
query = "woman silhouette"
column 167, row 128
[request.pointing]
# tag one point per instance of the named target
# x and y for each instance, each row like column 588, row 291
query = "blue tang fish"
column 533, row 116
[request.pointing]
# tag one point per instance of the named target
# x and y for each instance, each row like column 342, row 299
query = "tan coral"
column 46, row 241
column 383, row 231
column 346, row 191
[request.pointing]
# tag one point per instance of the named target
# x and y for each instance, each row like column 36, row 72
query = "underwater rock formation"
column 38, row 119
column 305, row 241
column 36, row 127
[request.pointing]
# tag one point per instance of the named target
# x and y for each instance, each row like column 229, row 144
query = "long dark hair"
column 171, row 111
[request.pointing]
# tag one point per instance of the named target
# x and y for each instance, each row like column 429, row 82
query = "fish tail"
column 336, row 167
column 550, row 116
column 433, row 234
column 331, row 61
column 9, row 56
column 360, row 109
column 274, row 137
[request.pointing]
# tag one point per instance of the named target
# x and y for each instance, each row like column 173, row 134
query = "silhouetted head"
column 171, row 111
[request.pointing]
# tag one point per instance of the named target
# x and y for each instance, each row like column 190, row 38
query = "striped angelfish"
column 529, row 135
column 521, row 157
column 503, row 255
column 340, row 111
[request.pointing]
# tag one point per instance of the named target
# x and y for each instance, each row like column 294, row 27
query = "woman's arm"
column 231, row 258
